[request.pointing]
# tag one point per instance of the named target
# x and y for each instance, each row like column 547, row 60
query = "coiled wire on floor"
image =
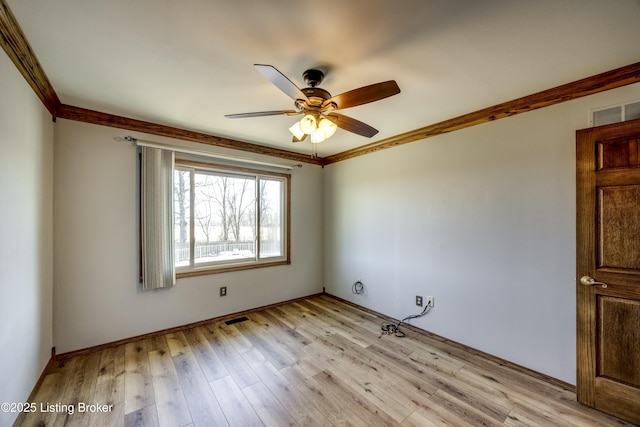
column 391, row 329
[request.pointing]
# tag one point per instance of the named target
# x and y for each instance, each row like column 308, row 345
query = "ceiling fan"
column 320, row 119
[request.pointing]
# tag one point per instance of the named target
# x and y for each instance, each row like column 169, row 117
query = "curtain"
column 158, row 269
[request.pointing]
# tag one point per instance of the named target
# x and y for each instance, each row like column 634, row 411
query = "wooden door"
column 608, row 268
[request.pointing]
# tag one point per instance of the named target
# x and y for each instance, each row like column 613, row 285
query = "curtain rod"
column 144, row 143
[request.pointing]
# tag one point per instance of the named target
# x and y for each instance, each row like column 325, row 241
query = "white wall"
column 97, row 298
column 26, row 172
column 483, row 219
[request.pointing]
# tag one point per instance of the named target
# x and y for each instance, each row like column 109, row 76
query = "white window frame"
column 195, row 269
column 623, row 111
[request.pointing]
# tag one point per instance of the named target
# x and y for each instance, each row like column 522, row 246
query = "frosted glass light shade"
column 317, row 136
column 308, row 124
column 296, row 130
column 327, row 127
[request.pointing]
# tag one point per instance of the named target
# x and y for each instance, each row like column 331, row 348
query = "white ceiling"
column 189, row 63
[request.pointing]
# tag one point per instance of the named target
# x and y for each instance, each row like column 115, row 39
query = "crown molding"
column 17, row 47
column 588, row 86
column 104, row 119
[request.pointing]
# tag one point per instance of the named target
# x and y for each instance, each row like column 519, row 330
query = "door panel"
column 618, row 207
column 608, row 250
column 619, row 340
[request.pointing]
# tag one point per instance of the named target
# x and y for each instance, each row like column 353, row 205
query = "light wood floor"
column 316, row 362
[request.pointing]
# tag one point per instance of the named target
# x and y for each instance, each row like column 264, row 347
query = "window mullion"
column 192, row 210
column 257, row 218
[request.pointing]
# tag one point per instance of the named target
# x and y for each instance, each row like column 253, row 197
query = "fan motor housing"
column 316, row 95
column 313, row 77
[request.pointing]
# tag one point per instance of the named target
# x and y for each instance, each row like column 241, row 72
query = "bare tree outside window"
column 270, row 217
column 182, row 188
column 225, row 215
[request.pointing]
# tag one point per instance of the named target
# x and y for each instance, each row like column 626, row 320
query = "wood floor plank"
column 235, row 406
column 237, row 367
column 112, row 361
column 209, row 362
column 344, row 392
column 235, row 338
column 281, row 335
column 138, row 388
column 452, row 385
column 465, row 410
column 267, row 406
column 81, row 390
column 170, row 401
column 109, row 394
column 297, row 405
column 300, row 321
column 281, row 328
column 419, row 418
column 157, row 342
column 284, row 317
column 318, row 361
column 436, row 360
column 524, row 416
column 375, row 392
column 352, row 332
column 203, row 406
column 143, row 417
column 553, row 400
column 177, row 343
column 262, row 338
column 110, row 388
column 50, row 390
column 329, row 406
column 381, row 362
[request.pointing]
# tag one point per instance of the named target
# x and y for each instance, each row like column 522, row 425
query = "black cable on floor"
column 391, row 329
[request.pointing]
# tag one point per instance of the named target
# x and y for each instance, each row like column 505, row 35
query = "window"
column 615, row 114
column 229, row 218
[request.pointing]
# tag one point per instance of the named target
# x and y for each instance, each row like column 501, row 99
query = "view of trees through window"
column 219, row 217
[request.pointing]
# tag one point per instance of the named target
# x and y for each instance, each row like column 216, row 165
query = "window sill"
column 229, row 268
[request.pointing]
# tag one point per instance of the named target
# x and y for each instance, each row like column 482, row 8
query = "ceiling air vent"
column 614, row 114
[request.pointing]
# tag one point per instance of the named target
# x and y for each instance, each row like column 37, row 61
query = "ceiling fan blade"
column 295, row 138
column 364, row 95
column 263, row 113
column 352, row 125
column 281, row 81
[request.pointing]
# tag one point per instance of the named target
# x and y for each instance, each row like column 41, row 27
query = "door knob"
column 590, row 281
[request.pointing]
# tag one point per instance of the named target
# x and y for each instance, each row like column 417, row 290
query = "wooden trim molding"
column 64, row 356
column 97, row 118
column 588, row 86
column 47, row 369
column 17, row 47
column 497, row 360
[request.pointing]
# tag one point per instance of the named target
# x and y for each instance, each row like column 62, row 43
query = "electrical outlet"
column 223, row 291
column 430, row 301
column 418, row 300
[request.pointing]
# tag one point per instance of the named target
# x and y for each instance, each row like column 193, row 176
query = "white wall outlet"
column 430, row 301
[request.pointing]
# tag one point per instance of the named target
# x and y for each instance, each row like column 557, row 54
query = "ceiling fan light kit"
column 320, row 121
column 319, row 130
